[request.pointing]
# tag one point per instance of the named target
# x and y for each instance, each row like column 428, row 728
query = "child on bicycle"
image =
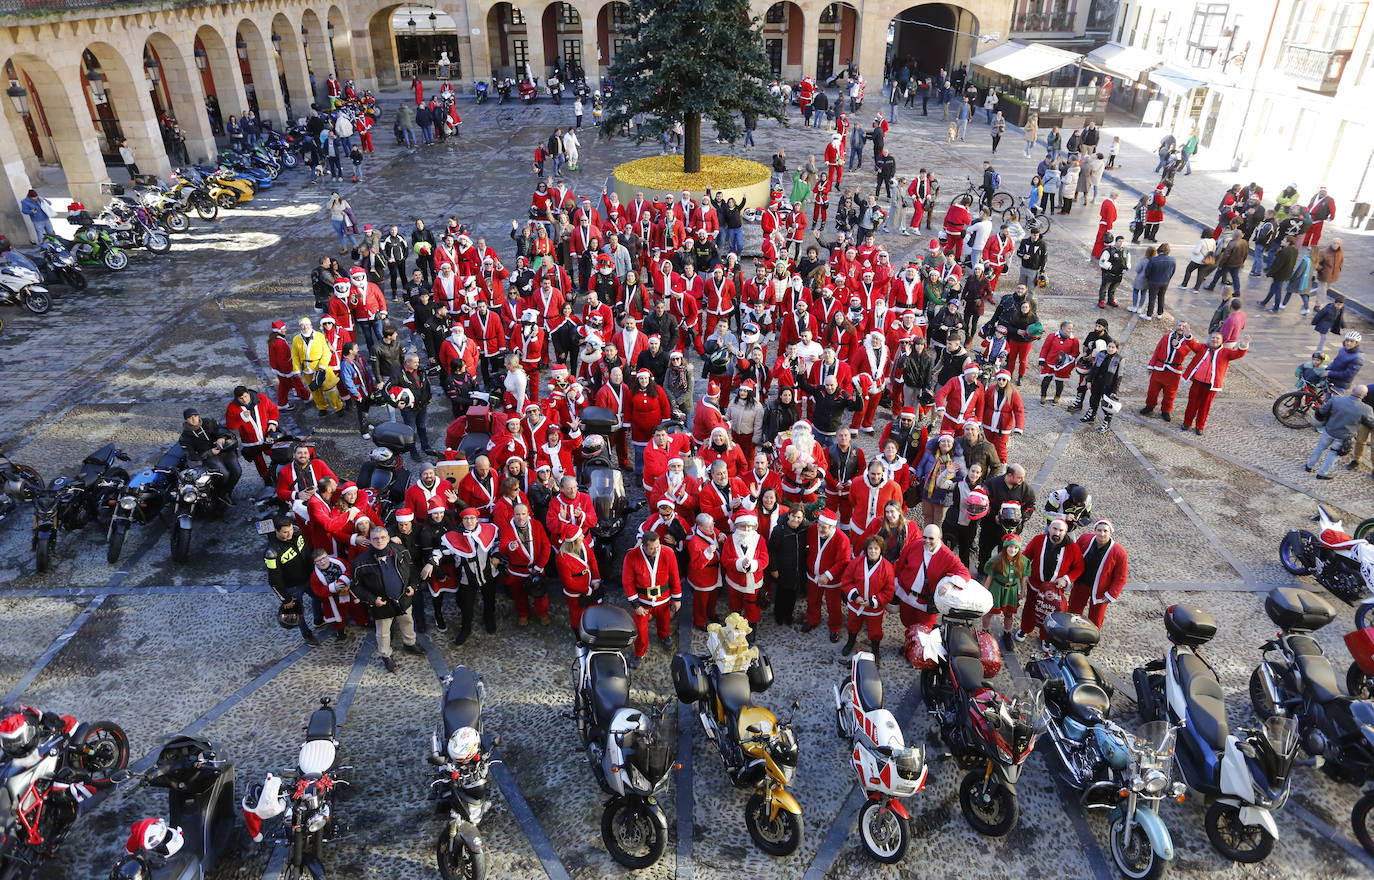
column 1312, row 372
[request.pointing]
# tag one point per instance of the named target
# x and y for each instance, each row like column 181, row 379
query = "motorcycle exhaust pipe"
column 1271, row 688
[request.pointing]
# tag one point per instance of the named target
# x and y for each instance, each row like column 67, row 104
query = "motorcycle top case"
column 597, row 420
column 1189, row 625
column 968, row 601
column 1296, row 610
column 689, row 677
column 396, row 436
column 606, row 627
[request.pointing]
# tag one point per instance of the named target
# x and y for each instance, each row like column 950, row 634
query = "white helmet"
column 1111, row 405
column 1354, row 335
column 464, row 744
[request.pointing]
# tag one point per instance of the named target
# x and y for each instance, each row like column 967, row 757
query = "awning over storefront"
column 1175, row 81
column 1127, row 62
column 1024, row 62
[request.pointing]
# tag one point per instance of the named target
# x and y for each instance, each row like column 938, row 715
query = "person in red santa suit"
column 1058, row 355
column 1106, row 219
column 664, row 446
column 478, row 488
column 672, row 529
column 530, row 343
column 920, row 569
column 722, row 495
column 957, row 219
column 512, row 494
column 834, row 159
column 758, row 478
column 1105, row 569
column 1205, row 373
column 340, row 307
column 334, row 339
column 1003, row 412
column 330, row 582
column 870, row 370
column 722, row 447
column 1055, row 563
column 578, row 574
column 677, row 486
column 613, row 395
column 720, row 299
column 703, row 570
column 555, row 453
column 571, row 508
column 743, row 562
column 652, row 586
column 867, row 497
column 525, row 547
column 1166, row 369
column 708, row 415
column 486, row 331
column 507, row 442
column 303, row 474
column 996, row 253
column 959, row 400
column 475, row 547
column 869, row 583
column 648, row 406
column 279, row 362
column 254, row 417
column 630, row 341
column 428, row 486
column 828, row 553
column 457, row 347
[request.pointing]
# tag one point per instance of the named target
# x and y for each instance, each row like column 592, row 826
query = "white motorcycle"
column 1340, row 563
column 22, row 285
column 887, row 767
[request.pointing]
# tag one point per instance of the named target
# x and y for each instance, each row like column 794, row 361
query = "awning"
column 1173, row 80
column 1023, row 62
column 1127, row 62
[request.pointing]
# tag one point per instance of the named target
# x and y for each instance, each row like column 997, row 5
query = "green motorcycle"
column 90, row 246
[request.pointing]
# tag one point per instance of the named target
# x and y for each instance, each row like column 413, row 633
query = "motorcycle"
column 303, row 799
column 503, row 87
column 888, row 768
column 226, row 187
column 142, row 500
column 1113, row 770
column 604, row 481
column 133, row 227
column 1245, row 778
column 165, row 209
column 1300, row 683
column 464, row 762
column 41, row 791
column 56, row 264
column 21, row 475
column 199, row 493
column 67, row 504
column 383, row 476
column 89, row 245
column 200, row 807
column 758, row 750
column 282, row 148
column 481, row 91
column 1340, row 563
column 988, row 735
column 626, row 745
column 555, row 87
column 193, row 195
column 22, row 285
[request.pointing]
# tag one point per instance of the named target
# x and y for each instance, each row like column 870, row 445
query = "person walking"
column 1189, row 149
column 1158, row 273
column 965, row 110
column 1138, row 287
column 1031, row 133
column 990, row 104
column 1300, row 282
column 1341, row 418
column 1280, row 271
column 1200, row 260
column 1330, row 319
column 342, row 219
column 999, row 128
column 1330, row 262
column 1114, row 262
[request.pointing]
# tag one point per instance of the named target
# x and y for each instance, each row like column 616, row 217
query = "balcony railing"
column 1317, row 70
column 1061, row 21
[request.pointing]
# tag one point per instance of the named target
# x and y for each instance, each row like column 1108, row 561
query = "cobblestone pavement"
column 161, row 647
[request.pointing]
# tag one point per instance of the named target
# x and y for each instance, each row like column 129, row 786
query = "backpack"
column 996, row 180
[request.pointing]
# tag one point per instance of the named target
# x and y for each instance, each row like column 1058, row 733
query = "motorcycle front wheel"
column 1295, row 553
column 1234, row 839
column 1133, row 854
column 115, row 259
column 289, row 159
column 102, row 751
column 1259, row 699
column 990, row 807
column 1362, row 821
column 885, row 834
column 37, row 301
column 206, row 208
column 177, row 221
column 157, row 242
column 632, row 836
column 456, row 861
column 118, row 530
column 181, row 544
column 75, row 279
column 227, row 200
column 1359, row 685
column 781, row 836
column 43, row 554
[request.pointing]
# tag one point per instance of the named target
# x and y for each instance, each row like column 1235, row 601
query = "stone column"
column 262, row 61
column 811, row 39
column 297, row 78
column 870, row 50
column 534, row 33
column 188, row 103
column 381, row 39
column 137, row 117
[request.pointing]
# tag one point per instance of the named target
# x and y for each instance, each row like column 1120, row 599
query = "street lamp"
column 201, row 59
column 410, row 26
column 154, row 72
column 241, row 45
column 97, row 81
column 433, row 21
column 276, row 43
column 19, row 97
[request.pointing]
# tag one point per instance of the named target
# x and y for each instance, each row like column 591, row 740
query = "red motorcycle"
column 988, row 734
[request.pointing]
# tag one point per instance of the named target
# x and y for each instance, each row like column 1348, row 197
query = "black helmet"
column 130, row 868
column 289, row 614
column 1078, row 495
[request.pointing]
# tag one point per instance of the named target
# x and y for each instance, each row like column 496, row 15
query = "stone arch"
column 566, row 33
column 127, row 111
column 219, row 75
column 340, row 41
column 258, row 63
column 315, row 48
column 180, row 85
column 784, row 39
column 837, row 38
column 613, row 24
column 929, row 34
column 514, row 40
column 294, row 73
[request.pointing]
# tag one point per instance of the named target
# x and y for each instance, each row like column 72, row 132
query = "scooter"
column 759, row 751
column 22, row 285
column 142, row 499
column 888, row 769
column 1340, row 563
column 464, row 762
column 1114, row 770
column 200, row 807
column 481, row 91
column 555, row 87
column 624, row 743
column 503, row 87
column 57, row 265
column 988, row 734
column 1299, row 682
column 529, row 91
column 604, row 482
column 383, row 476
column 1246, row 778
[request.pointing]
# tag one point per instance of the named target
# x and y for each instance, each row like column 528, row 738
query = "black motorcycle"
column 67, row 504
column 200, row 803
column 604, row 482
column 464, row 761
column 503, row 87
column 1342, row 563
column 200, row 493
column 142, row 500
column 21, row 475
column 383, row 476
column 57, row 265
column 1300, row 682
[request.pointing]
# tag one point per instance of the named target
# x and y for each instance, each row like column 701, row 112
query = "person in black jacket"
column 829, row 402
column 1104, row 377
column 288, row 561
column 779, row 416
column 886, row 167
column 204, row 440
column 1011, row 501
column 1033, row 254
column 415, row 405
column 424, row 260
column 322, row 282
column 916, row 368
column 654, row 358
column 787, row 563
column 661, row 323
column 394, row 249
column 384, row 579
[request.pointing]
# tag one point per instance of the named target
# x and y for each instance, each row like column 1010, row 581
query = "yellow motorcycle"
column 226, row 187
column 758, row 750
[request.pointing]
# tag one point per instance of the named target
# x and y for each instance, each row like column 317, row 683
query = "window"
column 830, row 14
column 520, row 54
column 572, row 52
column 567, row 15
column 774, row 50
column 621, row 19
column 777, row 14
column 517, row 18
column 825, row 59
column 617, row 47
column 1135, row 26
column 1207, row 33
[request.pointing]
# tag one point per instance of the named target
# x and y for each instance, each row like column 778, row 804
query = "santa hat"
column 1104, row 522
column 801, row 423
column 278, row 325
column 644, row 373
column 356, row 271
column 605, row 261
column 571, row 532
column 342, row 280
column 529, row 316
column 153, row 834
column 713, row 390
column 1002, row 374
column 875, row 336
column 1012, row 539
column 469, row 511
column 656, row 338
column 748, row 385
column 437, row 503
column 828, row 517
column 676, row 459
column 405, row 514
column 934, row 245
column 944, row 434
column 665, row 502
column 745, row 518
column 972, row 368
column 908, row 412
column 974, row 422
column 327, row 319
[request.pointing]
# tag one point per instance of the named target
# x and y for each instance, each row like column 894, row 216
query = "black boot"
column 1090, row 416
column 1077, row 403
column 876, row 648
column 849, row 645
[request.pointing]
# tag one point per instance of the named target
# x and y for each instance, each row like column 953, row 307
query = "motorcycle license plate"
column 265, row 527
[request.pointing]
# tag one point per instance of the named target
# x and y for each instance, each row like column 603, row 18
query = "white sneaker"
column 1133, row 309
column 1145, row 317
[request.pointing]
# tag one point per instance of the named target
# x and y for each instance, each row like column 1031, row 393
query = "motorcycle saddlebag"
column 1296, row 610
column 760, row 674
column 597, row 420
column 1189, row 625
column 689, row 677
column 606, row 627
column 396, row 436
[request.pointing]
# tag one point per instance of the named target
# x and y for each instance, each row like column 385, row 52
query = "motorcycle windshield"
column 22, row 261
column 604, row 486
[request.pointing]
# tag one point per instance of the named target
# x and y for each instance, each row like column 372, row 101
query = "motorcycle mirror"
column 122, row 456
column 436, row 760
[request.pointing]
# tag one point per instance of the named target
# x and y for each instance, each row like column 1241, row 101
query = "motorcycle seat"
column 962, row 642
column 1335, row 539
column 1302, row 644
column 1206, row 703
column 461, row 706
column 610, row 686
column 321, row 725
column 968, row 672
column 1084, row 672
column 316, row 757
column 1320, row 677
column 868, row 686
column 732, row 689
column 1088, row 703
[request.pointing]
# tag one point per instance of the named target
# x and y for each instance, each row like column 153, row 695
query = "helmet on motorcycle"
column 463, row 745
column 381, row 456
column 977, row 504
column 153, row 835
column 289, row 614
column 17, row 735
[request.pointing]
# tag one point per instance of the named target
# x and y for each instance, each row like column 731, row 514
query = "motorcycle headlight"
column 317, row 821
column 127, row 503
column 203, row 480
column 1137, row 783
column 189, row 494
column 476, row 811
column 1155, row 783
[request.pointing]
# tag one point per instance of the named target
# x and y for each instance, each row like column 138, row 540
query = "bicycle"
column 972, row 197
column 1294, row 409
column 1036, row 221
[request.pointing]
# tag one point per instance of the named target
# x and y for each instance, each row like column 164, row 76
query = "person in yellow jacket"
column 310, row 358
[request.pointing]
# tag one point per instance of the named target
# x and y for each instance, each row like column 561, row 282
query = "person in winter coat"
column 939, row 471
column 648, row 405
column 1058, row 355
column 745, row 416
column 1300, row 282
column 778, row 418
column 787, row 564
column 1158, row 273
column 1330, row 262
column 869, row 583
column 1105, row 569
column 1103, row 380
column 1206, row 372
column 1202, row 257
column 1330, row 319
column 254, row 417
column 1347, row 363
column 384, row 579
column 652, row 586
column 961, row 518
column 1114, row 262
column 744, row 563
column 1005, row 575
column 919, row 571
column 828, row 553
